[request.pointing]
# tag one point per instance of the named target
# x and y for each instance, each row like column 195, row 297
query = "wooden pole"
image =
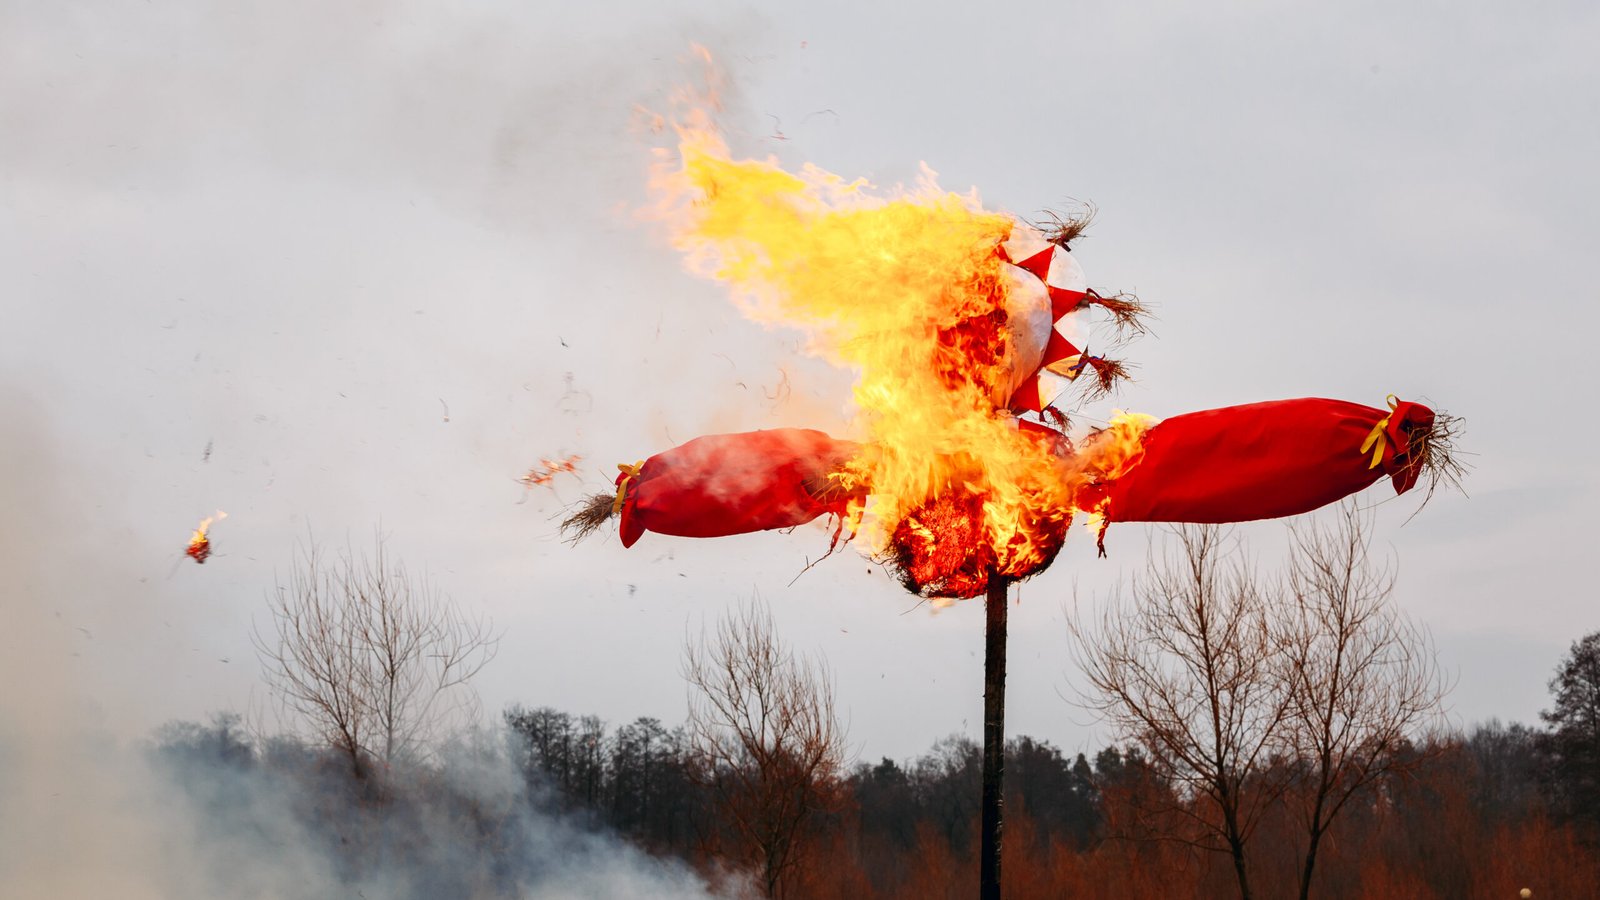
column 994, row 738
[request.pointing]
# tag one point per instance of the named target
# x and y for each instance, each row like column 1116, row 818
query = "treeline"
column 1482, row 814
column 647, row 782
column 279, row 816
column 1279, row 742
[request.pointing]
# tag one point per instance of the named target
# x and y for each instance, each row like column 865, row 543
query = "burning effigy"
column 963, row 327
column 962, row 324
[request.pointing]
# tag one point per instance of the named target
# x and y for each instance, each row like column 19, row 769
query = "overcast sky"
column 379, row 257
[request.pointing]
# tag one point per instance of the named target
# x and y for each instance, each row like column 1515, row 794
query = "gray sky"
column 298, row 232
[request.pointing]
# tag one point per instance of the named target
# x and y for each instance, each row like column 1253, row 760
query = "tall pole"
column 994, row 737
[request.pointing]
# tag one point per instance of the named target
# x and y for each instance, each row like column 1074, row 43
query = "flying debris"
column 574, row 400
column 199, row 548
column 547, row 470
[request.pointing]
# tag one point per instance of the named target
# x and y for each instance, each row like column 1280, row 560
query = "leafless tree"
column 369, row 658
column 1362, row 680
column 1185, row 668
column 763, row 722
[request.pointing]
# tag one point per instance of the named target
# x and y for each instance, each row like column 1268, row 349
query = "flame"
column 547, row 470
column 906, row 287
column 200, row 532
column 200, row 542
column 1110, row 452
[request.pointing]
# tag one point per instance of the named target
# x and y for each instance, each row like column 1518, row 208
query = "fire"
column 199, row 548
column 547, row 470
column 1112, row 451
column 907, row 288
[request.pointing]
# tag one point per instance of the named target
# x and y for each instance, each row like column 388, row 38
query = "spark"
column 199, row 548
column 547, row 470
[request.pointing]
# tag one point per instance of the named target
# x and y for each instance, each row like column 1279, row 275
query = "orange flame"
column 1110, row 452
column 547, row 470
column 200, row 542
column 906, row 288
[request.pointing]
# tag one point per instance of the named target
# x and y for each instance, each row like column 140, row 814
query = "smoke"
column 460, row 828
column 381, row 259
column 202, row 814
column 208, row 212
column 205, row 812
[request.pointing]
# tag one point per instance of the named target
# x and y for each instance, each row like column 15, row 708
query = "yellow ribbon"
column 628, row 472
column 1378, row 437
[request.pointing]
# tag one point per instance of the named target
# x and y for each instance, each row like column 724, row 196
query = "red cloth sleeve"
column 725, row 484
column 1258, row 461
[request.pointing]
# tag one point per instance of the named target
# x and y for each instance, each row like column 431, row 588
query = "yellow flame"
column 904, row 287
column 1108, row 454
column 200, row 533
column 1119, row 446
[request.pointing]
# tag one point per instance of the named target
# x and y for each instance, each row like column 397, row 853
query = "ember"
column 199, row 548
column 547, row 470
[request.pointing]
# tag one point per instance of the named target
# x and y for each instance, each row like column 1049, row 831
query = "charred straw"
column 1057, row 418
column 1108, row 373
column 1128, row 312
column 586, row 516
column 1063, row 229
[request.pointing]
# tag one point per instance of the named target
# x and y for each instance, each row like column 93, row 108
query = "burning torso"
column 924, row 295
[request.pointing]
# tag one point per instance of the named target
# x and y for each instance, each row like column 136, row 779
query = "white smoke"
column 84, row 813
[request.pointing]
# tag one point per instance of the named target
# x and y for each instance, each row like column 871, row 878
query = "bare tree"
column 1185, row 669
column 763, row 721
column 1361, row 679
column 370, row 659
